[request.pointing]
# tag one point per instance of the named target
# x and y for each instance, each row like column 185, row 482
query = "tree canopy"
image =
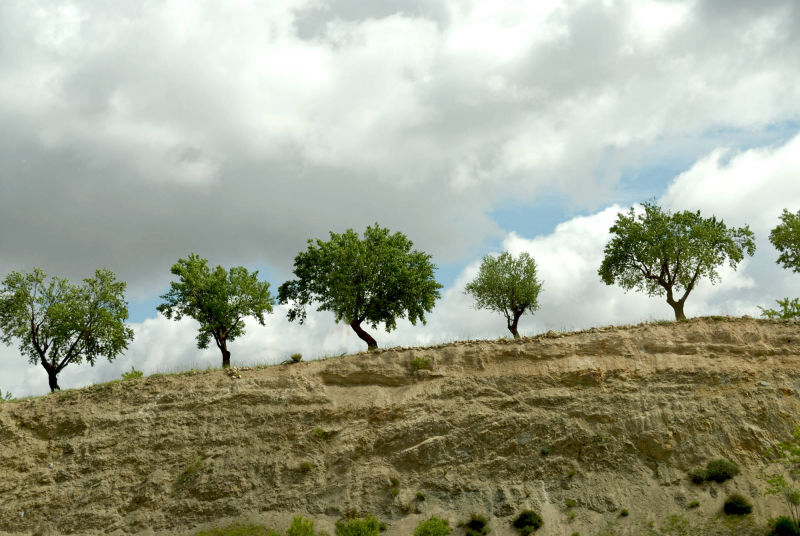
column 377, row 279
column 218, row 299
column 507, row 285
column 786, row 239
column 58, row 323
column 662, row 253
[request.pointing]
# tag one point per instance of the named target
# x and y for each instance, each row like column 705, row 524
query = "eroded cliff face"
column 607, row 418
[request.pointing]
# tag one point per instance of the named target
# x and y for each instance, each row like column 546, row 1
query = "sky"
column 135, row 133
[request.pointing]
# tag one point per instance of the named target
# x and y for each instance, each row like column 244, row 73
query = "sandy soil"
column 610, row 418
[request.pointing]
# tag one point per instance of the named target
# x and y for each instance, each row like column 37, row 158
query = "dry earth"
column 611, row 418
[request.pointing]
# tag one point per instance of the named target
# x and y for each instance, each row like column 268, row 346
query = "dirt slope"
column 608, row 418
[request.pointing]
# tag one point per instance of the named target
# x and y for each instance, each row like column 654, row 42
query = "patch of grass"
column 301, row 526
column 527, row 522
column 571, row 503
column 421, row 363
column 420, row 496
column 783, row 526
column 721, row 470
column 305, row 467
column 477, row 525
column 5, row 397
column 697, row 476
column 737, row 504
column 237, row 529
column 693, row 504
column 367, row 526
column 394, row 482
column 624, row 513
column 433, row 526
column 132, row 374
column 193, row 470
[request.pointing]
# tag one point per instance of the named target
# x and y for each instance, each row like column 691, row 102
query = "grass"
column 237, row 529
column 190, row 473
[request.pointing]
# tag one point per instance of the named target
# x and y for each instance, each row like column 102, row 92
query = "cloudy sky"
column 133, row 133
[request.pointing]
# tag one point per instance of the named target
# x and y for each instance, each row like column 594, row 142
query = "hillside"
column 611, row 418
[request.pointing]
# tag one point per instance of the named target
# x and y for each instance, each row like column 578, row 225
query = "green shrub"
column 694, row 504
column 5, row 397
column 735, row 504
column 784, row 526
column 238, row 530
column 571, row 503
column 546, row 451
column 721, row 470
column 624, row 512
column 305, row 467
column 788, row 309
column 421, row 496
column 420, row 363
column 367, row 526
column 433, row 526
column 301, row 526
column 528, row 521
column 697, row 476
column 477, row 525
column 132, row 374
column 296, row 358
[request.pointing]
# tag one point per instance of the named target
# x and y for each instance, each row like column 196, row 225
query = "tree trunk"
column 677, row 306
column 226, row 355
column 52, row 377
column 363, row 335
column 512, row 325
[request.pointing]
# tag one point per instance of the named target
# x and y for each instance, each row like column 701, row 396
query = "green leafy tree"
column 787, row 309
column 218, row 299
column 786, row 239
column 58, row 323
column 375, row 279
column 507, row 285
column 663, row 253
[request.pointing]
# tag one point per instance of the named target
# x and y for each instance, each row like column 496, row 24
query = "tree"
column 663, row 253
column 786, row 239
column 374, row 279
column 58, row 323
column 219, row 300
column 507, row 285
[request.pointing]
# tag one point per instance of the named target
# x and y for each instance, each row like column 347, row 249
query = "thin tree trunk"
column 677, row 306
column 512, row 325
column 363, row 335
column 226, row 355
column 52, row 377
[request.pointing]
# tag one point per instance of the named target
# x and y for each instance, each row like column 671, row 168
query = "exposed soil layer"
column 610, row 418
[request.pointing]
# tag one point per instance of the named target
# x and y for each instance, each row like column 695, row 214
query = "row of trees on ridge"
column 371, row 280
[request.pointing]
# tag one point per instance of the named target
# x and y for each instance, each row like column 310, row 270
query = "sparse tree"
column 663, row 253
column 786, row 239
column 218, row 299
column 375, row 279
column 58, row 323
column 507, row 285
